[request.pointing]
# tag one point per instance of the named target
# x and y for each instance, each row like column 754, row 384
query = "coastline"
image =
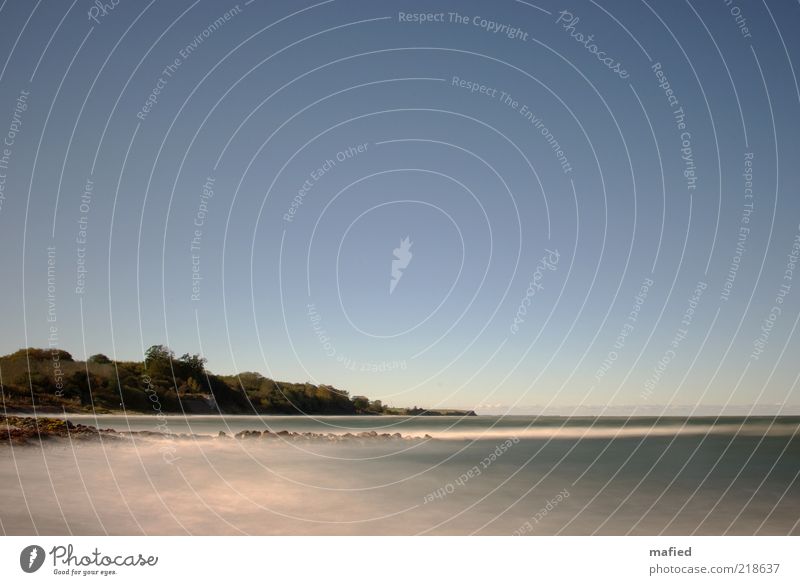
column 26, row 430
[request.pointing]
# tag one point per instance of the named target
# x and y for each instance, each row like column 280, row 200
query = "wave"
column 589, row 432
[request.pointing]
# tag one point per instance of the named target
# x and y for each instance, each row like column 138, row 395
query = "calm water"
column 484, row 475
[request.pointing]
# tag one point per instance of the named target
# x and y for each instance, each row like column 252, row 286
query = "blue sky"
column 363, row 130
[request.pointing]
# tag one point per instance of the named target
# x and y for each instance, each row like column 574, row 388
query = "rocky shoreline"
column 24, row 430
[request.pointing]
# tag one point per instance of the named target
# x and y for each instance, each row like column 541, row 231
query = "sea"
column 484, row 475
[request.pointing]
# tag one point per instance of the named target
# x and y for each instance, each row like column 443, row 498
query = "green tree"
column 158, row 361
column 156, row 353
column 361, row 403
column 194, row 362
column 36, row 354
column 79, row 385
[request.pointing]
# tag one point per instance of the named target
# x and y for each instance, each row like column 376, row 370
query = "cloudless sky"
column 297, row 144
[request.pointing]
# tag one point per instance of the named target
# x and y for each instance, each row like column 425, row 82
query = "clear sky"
column 600, row 203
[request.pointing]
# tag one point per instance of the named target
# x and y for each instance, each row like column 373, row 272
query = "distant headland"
column 51, row 381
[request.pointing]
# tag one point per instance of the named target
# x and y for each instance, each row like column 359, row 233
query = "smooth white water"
column 666, row 482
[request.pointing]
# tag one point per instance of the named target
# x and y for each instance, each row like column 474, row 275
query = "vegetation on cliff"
column 52, row 381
